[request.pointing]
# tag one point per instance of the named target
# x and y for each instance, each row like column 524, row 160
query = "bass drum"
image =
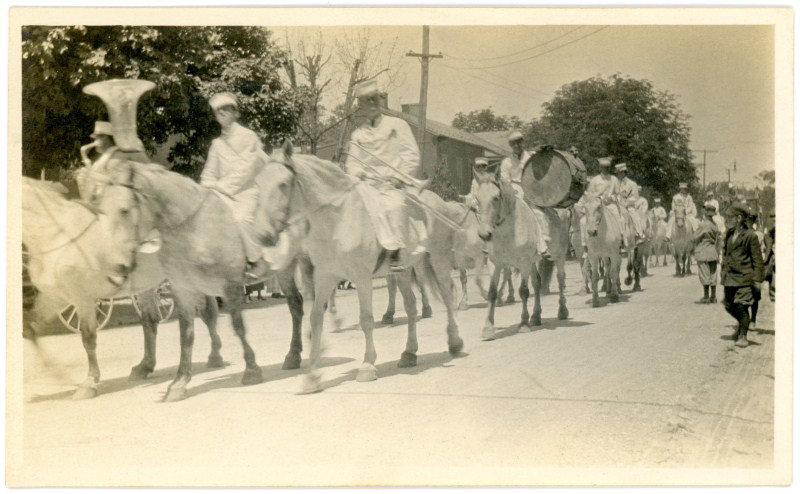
column 553, row 178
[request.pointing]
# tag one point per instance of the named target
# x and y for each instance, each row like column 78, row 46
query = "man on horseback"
column 384, row 153
column 628, row 195
column 606, row 188
column 682, row 200
column 234, row 159
column 658, row 210
column 511, row 171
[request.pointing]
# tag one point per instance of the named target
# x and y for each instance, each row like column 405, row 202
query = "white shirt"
column 511, row 167
column 386, row 144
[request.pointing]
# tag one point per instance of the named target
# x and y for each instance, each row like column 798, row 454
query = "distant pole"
column 424, row 57
column 704, row 163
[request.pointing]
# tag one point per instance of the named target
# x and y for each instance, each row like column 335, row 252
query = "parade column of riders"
column 383, row 153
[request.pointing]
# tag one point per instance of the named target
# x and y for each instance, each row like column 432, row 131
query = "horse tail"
column 428, row 279
column 545, row 269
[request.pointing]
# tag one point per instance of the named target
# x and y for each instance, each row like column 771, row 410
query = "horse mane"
column 47, row 213
column 323, row 180
column 508, row 196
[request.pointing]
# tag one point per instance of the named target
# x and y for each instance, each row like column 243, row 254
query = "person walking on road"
column 707, row 242
column 742, row 267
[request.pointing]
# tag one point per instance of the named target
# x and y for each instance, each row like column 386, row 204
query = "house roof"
column 497, row 137
column 443, row 130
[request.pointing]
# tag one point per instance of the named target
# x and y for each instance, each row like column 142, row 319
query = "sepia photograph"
column 312, row 247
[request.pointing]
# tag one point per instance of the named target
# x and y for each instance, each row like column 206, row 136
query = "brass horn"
column 121, row 97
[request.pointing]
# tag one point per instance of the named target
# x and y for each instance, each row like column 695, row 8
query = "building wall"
column 458, row 157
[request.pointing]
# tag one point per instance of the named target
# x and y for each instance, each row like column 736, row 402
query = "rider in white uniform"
column 380, row 148
column 628, row 194
column 511, row 171
column 682, row 199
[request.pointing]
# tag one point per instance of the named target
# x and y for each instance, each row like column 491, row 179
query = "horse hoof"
column 595, row 302
column 291, row 361
column 176, row 394
column 613, row 299
column 536, row 320
column 139, row 372
column 312, row 383
column 488, row 333
column 524, row 328
column 215, row 362
column 510, row 300
column 563, row 313
column 252, row 376
column 407, row 359
column 84, row 393
column 463, row 306
column 637, row 287
column 427, row 312
column 499, row 302
column 628, row 281
column 456, row 347
column 367, row 372
column 387, row 319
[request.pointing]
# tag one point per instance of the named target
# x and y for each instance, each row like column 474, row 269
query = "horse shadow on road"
column 547, row 324
column 604, row 301
column 425, row 361
column 272, row 372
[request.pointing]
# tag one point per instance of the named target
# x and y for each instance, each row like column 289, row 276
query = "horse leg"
column 88, row 388
column 294, row 299
column 595, row 279
column 323, row 287
column 507, row 274
column 332, row 310
column 561, row 275
column 638, row 264
column 186, row 307
column 524, row 294
column 210, row 313
column 252, row 372
column 438, row 267
column 427, row 311
column 500, row 290
column 391, row 286
column 462, row 275
column 538, row 284
column 409, row 357
column 615, row 267
column 367, row 371
column 149, row 318
column 488, row 327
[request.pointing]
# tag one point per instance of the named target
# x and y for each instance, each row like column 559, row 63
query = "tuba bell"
column 121, row 97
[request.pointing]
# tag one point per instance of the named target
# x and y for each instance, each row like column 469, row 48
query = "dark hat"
column 738, row 208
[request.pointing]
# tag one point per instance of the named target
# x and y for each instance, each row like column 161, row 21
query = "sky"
column 722, row 76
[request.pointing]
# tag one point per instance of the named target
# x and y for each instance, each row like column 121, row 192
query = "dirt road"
column 648, row 383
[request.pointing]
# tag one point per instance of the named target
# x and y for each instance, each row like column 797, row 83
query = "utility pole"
column 704, row 163
column 424, row 57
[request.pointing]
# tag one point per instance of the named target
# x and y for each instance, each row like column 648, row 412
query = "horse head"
column 594, row 214
column 113, row 193
column 680, row 216
column 495, row 201
column 277, row 183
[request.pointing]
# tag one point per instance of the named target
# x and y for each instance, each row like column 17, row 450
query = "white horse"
column 342, row 244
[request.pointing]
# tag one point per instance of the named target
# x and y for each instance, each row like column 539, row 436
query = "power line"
column 538, row 54
column 488, row 82
column 515, row 53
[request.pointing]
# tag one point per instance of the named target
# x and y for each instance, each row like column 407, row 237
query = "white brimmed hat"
column 480, row 161
column 222, row 99
column 366, row 88
column 621, row 167
column 604, row 161
column 102, row 128
column 515, row 135
column 683, row 185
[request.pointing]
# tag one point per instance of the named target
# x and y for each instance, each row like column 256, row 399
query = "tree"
column 625, row 118
column 187, row 64
column 485, row 120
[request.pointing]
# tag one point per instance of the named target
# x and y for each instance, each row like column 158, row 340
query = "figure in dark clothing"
column 742, row 268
